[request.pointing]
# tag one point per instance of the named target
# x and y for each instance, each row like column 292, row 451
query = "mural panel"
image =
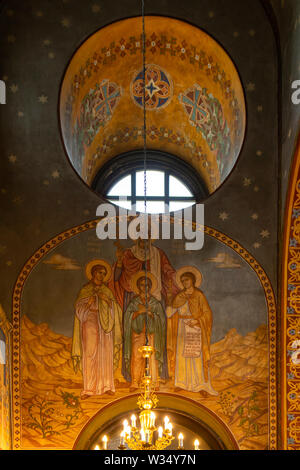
column 82, row 320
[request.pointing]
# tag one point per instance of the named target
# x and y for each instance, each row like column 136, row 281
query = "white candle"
column 97, row 447
column 128, row 432
column 133, row 421
column 125, row 424
column 122, row 438
column 170, row 428
column 180, row 440
column 166, row 420
column 104, row 440
column 147, row 435
column 142, row 436
column 160, row 432
column 196, row 444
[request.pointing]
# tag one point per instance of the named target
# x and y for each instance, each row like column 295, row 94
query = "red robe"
column 131, row 265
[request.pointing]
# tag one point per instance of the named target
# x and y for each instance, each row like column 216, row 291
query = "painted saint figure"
column 97, row 335
column 135, row 331
column 131, row 261
column 190, row 323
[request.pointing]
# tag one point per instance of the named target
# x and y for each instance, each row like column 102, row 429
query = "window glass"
column 153, row 207
column 119, row 202
column 177, row 188
column 174, row 195
column 122, row 187
column 2, row 352
column 155, row 183
column 177, row 205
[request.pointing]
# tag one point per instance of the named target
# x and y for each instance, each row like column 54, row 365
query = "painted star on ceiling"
column 254, row 216
column 12, row 158
column 47, row 42
column 65, row 22
column 14, row 88
column 223, row 215
column 256, row 245
column 43, row 99
column 247, row 181
column 259, row 153
column 250, row 86
column 96, row 8
column 55, row 174
column 265, row 233
column 51, row 55
column 20, row 114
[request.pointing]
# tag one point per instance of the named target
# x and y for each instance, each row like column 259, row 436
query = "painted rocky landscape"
column 53, row 413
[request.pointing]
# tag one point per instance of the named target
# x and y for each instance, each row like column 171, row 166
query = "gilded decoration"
column 291, row 314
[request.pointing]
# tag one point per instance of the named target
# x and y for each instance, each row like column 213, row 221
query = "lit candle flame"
column 133, row 421
column 196, row 444
column 160, row 432
column 104, row 440
column 97, row 447
column 166, row 420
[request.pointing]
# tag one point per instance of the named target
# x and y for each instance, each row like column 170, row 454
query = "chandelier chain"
column 147, row 241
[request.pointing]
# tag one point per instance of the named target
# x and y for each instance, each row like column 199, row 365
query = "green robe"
column 156, row 326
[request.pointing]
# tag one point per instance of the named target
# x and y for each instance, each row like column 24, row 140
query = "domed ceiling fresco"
column 195, row 106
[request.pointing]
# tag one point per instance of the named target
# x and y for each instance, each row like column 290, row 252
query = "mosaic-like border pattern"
column 291, row 314
column 67, row 234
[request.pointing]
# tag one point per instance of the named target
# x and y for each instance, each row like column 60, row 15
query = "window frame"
column 131, row 162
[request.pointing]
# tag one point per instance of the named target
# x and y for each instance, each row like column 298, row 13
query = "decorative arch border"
column 290, row 313
column 67, row 234
column 179, row 404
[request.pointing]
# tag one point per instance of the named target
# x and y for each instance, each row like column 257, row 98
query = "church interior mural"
column 91, row 88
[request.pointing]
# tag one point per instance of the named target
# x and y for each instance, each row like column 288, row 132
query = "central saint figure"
column 135, row 320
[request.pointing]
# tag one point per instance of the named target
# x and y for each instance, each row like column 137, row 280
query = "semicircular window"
column 171, row 184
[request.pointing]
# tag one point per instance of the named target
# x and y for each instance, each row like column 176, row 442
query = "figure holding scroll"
column 189, row 331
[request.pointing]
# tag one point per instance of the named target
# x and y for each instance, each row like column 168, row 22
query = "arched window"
column 171, row 183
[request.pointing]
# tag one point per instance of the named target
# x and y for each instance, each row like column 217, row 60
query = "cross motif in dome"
column 152, row 88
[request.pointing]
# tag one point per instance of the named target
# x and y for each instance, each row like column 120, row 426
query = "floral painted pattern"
column 96, row 110
column 206, row 114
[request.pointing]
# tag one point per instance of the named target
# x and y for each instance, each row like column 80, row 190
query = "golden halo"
column 140, row 274
column 188, row 269
column 96, row 262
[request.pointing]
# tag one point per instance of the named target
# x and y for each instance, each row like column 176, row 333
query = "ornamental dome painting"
column 194, row 100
